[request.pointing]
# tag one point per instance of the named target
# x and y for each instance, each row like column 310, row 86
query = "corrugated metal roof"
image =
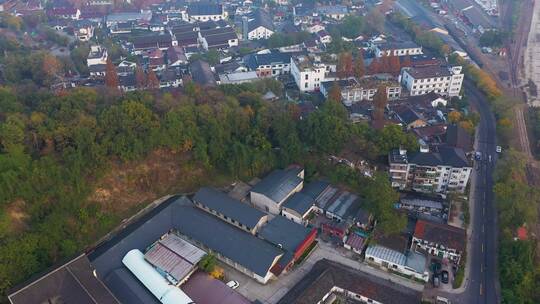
column 386, row 254
column 174, row 256
column 151, row 279
column 285, row 233
column 278, row 184
column 342, row 204
column 299, row 202
column 355, row 241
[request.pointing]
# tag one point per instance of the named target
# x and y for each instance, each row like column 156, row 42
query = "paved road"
column 482, row 284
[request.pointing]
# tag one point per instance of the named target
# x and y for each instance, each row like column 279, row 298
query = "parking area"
column 438, row 266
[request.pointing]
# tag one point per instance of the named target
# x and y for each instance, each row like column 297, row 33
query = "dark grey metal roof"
column 260, row 18
column 326, row 274
column 226, row 205
column 72, row 282
column 299, row 202
column 231, row 242
column 204, row 8
column 446, row 156
column 285, row 233
column 128, row 288
column 278, row 184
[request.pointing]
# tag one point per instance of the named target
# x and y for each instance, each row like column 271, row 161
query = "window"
column 305, row 85
column 307, row 76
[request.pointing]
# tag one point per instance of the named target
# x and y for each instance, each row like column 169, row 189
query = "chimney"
column 245, row 28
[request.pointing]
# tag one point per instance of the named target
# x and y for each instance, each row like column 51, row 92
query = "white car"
column 498, row 149
column 233, row 284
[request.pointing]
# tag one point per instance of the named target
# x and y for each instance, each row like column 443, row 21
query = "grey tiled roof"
column 446, row 156
column 226, row 205
column 278, row 184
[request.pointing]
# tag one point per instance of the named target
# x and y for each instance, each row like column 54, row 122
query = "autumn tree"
column 345, row 65
column 375, row 66
column 380, row 100
column 152, row 81
column 454, row 116
column 140, row 78
column 407, row 62
column 52, row 68
column 359, row 67
column 394, row 65
column 111, row 76
column 335, row 92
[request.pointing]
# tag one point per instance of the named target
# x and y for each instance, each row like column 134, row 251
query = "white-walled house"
column 407, row 48
column 307, row 74
column 206, row 12
column 97, row 55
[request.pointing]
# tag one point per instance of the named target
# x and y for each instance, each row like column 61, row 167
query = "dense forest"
column 55, row 146
column 517, row 206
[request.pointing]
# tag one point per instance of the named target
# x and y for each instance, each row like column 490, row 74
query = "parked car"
column 435, row 266
column 233, row 284
column 435, row 280
column 444, row 276
column 442, row 300
column 498, row 149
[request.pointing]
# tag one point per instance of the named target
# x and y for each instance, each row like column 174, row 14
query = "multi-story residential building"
column 440, row 240
column 447, row 169
column 97, row 55
column 307, row 74
column 407, row 48
column 444, row 80
column 353, row 90
column 206, row 11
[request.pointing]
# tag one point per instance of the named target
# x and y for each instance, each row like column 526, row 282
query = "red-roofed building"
column 440, row 240
column 522, row 233
column 355, row 243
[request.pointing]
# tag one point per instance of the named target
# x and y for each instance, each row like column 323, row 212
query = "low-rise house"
column 355, row 242
column 65, row 12
column 187, row 39
column 238, row 77
column 83, row 30
column 202, row 74
column 440, row 240
column 411, row 263
column 293, row 238
column 201, row 11
column 125, row 17
column 148, row 42
column 446, row 81
column 169, row 79
column 156, row 59
column 458, row 137
column 336, row 12
column 221, row 38
column 176, row 57
column 408, row 117
column 273, row 190
column 97, row 70
column 446, row 169
column 407, row 48
column 270, row 64
column 327, row 280
column 96, row 56
column 127, row 83
column 324, row 37
column 230, row 210
column 257, row 26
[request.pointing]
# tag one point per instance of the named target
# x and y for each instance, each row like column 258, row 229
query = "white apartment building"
column 353, row 91
column 445, row 81
column 430, row 172
column 307, row 74
column 97, row 55
column 407, row 48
